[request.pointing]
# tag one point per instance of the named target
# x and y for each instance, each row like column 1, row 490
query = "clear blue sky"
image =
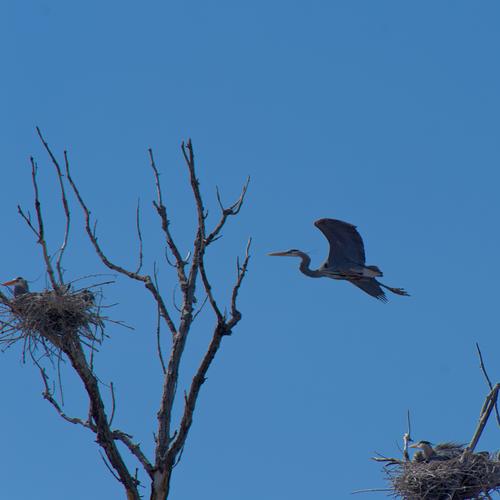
column 384, row 114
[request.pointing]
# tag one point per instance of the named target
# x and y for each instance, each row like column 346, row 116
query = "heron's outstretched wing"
column 346, row 245
column 371, row 287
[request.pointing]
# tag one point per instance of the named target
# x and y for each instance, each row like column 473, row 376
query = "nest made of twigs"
column 51, row 316
column 467, row 476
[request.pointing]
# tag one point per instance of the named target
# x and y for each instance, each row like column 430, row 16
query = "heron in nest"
column 20, row 286
column 345, row 261
column 442, row 451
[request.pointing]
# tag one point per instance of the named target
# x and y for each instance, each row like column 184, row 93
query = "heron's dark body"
column 346, row 259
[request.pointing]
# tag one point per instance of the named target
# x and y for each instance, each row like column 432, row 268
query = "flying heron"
column 20, row 286
column 442, row 451
column 346, row 260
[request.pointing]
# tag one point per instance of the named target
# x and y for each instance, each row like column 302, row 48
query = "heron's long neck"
column 428, row 451
column 305, row 269
column 20, row 289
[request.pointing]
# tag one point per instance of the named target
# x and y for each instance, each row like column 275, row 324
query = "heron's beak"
column 278, row 254
column 11, row 282
column 415, row 445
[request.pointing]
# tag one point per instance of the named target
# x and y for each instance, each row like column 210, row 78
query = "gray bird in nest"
column 20, row 286
column 442, row 451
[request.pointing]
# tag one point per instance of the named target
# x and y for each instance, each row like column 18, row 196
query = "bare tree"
column 64, row 322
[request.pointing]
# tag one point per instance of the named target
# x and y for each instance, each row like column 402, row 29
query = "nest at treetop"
column 466, row 476
column 47, row 319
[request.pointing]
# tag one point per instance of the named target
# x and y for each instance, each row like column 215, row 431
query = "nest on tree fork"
column 49, row 319
column 467, row 476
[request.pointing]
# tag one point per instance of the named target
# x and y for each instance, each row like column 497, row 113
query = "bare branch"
column 179, row 457
column 370, row 490
column 47, row 394
column 201, row 307
column 162, row 212
column 208, row 290
column 135, row 449
column 409, row 423
column 407, row 438
column 188, row 153
column 59, row 379
column 235, row 314
column 113, row 403
column 27, row 219
column 40, row 230
column 389, row 460
column 158, row 343
column 488, row 380
column 64, row 201
column 488, row 406
column 174, row 303
column 226, row 212
column 67, row 215
column 139, row 235
column 109, row 467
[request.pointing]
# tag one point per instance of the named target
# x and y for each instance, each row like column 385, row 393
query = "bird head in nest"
column 425, row 446
column 20, row 286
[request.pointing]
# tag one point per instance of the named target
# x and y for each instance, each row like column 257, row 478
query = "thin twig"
column 64, row 201
column 188, row 153
column 488, row 380
column 158, row 343
column 370, row 490
column 208, row 291
column 235, row 314
column 201, row 307
column 109, row 467
column 409, row 423
column 179, row 457
column 389, row 460
column 27, row 219
column 158, row 324
column 113, row 403
column 162, row 212
column 176, row 307
column 59, row 379
column 41, row 231
column 139, row 235
column 47, row 394
column 226, row 212
column 407, row 438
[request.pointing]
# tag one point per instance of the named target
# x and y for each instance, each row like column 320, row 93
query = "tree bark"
column 73, row 349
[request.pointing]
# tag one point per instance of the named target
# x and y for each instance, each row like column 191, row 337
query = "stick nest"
column 48, row 319
column 467, row 476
